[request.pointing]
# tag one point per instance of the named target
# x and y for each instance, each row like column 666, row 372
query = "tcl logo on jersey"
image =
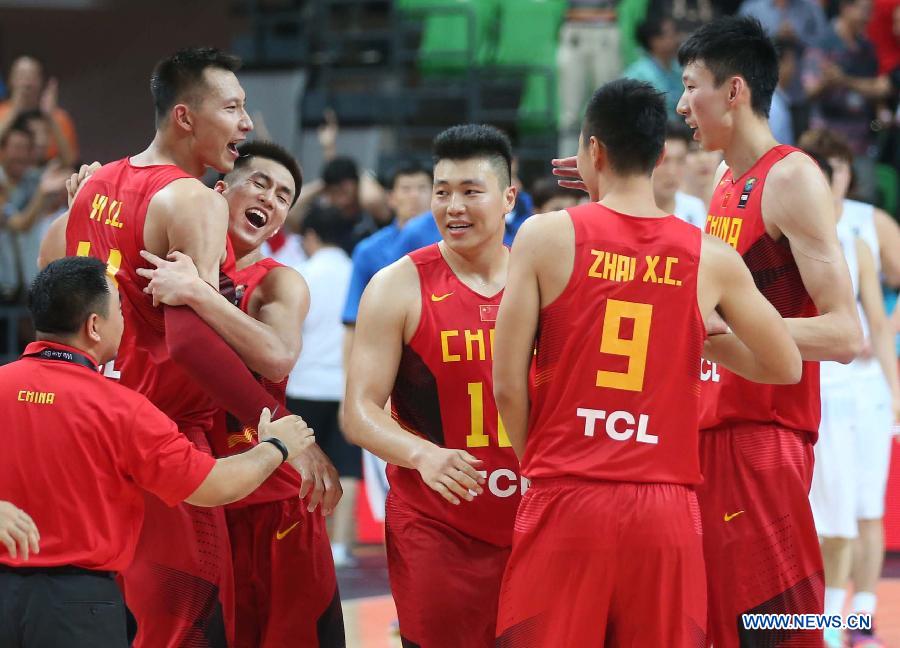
column 620, row 425
column 709, row 371
column 504, row 482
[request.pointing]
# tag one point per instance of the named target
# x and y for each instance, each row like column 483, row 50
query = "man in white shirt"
column 668, row 178
column 316, row 384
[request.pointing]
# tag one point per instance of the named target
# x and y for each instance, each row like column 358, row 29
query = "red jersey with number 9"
column 617, row 389
column 444, row 392
column 106, row 221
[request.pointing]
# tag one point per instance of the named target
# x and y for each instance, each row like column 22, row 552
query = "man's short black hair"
column 676, row 129
column 269, row 151
column 18, row 126
column 629, row 118
column 408, row 168
column 650, row 28
column 178, row 75
column 338, row 170
column 736, row 46
column 468, row 141
column 546, row 189
column 327, row 222
column 66, row 292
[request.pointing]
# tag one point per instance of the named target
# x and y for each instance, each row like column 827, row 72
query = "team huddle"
column 601, row 436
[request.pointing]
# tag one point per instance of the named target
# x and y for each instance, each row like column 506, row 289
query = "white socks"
column 834, row 600
column 864, row 602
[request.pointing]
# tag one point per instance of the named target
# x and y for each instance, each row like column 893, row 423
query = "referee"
column 78, row 452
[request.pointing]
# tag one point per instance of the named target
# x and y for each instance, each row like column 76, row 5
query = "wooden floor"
column 368, row 620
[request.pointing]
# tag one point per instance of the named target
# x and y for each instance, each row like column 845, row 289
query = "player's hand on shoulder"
column 18, row 532
column 174, row 281
column 292, row 430
column 320, row 479
column 566, row 169
column 73, row 184
column 453, row 473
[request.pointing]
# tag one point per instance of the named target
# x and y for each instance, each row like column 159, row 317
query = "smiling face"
column 468, row 203
column 705, row 106
column 217, row 117
column 259, row 196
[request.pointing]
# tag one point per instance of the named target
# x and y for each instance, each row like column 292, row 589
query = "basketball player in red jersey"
column 773, row 205
column 424, row 338
column 180, row 580
column 285, row 584
column 615, row 293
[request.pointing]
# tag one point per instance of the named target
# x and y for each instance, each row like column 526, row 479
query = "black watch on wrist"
column 278, row 443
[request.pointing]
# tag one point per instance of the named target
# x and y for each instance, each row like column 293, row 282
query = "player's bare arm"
column 760, row 347
column 388, row 316
column 53, row 245
column 541, row 237
column 188, row 217
column 889, row 241
column 268, row 339
column 880, row 330
column 797, row 203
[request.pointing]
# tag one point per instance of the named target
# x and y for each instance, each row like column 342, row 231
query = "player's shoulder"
column 795, row 167
column 188, row 199
column 279, row 275
column 397, row 281
column 549, row 226
column 716, row 255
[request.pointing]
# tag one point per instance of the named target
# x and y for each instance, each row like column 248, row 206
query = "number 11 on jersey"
column 477, row 438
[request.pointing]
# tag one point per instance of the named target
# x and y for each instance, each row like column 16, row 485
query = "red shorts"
column 446, row 584
column 605, row 564
column 179, row 586
column 759, row 540
column 286, row 589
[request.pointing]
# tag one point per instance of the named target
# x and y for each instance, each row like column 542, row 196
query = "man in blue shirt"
column 658, row 65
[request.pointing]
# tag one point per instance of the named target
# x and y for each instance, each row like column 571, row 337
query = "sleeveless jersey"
column 616, row 388
column 106, row 221
column 444, row 392
column 735, row 216
column 228, row 436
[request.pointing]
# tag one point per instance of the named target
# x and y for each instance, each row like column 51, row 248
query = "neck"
column 664, row 62
column 244, row 258
column 750, row 140
column 75, row 342
column 485, row 264
column 632, row 195
column 167, row 149
column 666, row 203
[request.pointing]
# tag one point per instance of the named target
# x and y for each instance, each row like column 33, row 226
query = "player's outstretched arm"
column 233, row 478
column 889, row 241
column 267, row 340
column 760, row 348
column 880, row 330
column 798, row 202
column 388, row 301
column 514, row 336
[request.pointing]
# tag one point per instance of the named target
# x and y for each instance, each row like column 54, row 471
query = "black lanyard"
column 64, row 355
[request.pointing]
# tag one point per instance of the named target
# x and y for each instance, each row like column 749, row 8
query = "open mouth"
column 458, row 227
column 256, row 218
column 232, row 148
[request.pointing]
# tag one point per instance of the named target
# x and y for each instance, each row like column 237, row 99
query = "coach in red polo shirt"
column 77, row 452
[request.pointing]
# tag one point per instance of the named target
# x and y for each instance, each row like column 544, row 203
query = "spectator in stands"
column 588, row 56
column 28, row 92
column 688, row 15
column 658, row 64
column 549, row 196
column 668, row 177
column 842, row 77
column 46, row 132
column 781, row 120
column 701, row 169
column 316, row 384
column 800, row 19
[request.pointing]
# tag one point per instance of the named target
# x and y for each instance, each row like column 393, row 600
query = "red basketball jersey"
column 616, row 389
column 228, row 436
column 735, row 216
column 107, row 222
column 444, row 392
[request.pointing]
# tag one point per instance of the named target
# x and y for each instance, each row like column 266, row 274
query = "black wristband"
column 278, row 443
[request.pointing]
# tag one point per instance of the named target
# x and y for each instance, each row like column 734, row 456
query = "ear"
column 662, row 156
column 91, row 329
column 221, row 186
column 598, row 153
column 509, row 199
column 737, row 88
column 182, row 118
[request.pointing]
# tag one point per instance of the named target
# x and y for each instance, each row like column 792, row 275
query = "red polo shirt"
column 78, row 451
